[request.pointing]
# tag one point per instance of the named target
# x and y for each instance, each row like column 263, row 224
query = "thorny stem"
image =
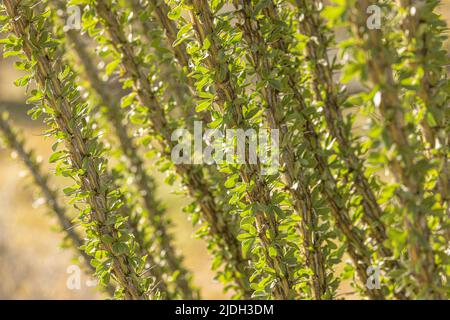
column 137, row 229
column 15, row 143
column 299, row 190
column 323, row 82
column 260, row 192
column 327, row 91
column 194, row 180
column 425, row 45
column 144, row 181
column 357, row 249
column 174, row 78
column 160, row 11
column 77, row 147
column 381, row 74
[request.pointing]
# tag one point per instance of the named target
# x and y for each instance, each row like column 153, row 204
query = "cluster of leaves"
column 378, row 194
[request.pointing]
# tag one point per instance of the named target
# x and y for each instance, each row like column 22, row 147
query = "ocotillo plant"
column 246, row 104
column 14, row 141
column 160, row 238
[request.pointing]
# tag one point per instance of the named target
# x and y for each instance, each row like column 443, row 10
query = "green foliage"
column 378, row 195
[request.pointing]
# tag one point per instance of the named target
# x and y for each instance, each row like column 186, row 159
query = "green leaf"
column 119, row 248
column 245, row 236
column 112, row 66
column 247, row 245
column 56, row 156
column 231, row 181
column 68, row 191
column 203, row 105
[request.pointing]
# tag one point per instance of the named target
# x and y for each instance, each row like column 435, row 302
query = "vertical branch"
column 423, row 29
column 84, row 155
column 258, row 190
column 163, row 56
column 15, row 142
column 198, row 188
column 336, row 198
column 329, row 93
column 144, row 181
column 300, row 191
column 27, row 156
column 128, row 210
column 407, row 164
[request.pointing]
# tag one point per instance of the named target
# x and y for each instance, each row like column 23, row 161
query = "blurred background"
column 33, row 265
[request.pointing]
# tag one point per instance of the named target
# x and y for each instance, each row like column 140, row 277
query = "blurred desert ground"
column 32, row 263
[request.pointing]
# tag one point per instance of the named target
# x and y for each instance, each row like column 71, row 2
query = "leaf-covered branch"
column 83, row 155
column 406, row 158
column 155, row 112
column 16, row 143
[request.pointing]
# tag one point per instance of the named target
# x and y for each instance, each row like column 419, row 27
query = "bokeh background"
column 33, row 265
